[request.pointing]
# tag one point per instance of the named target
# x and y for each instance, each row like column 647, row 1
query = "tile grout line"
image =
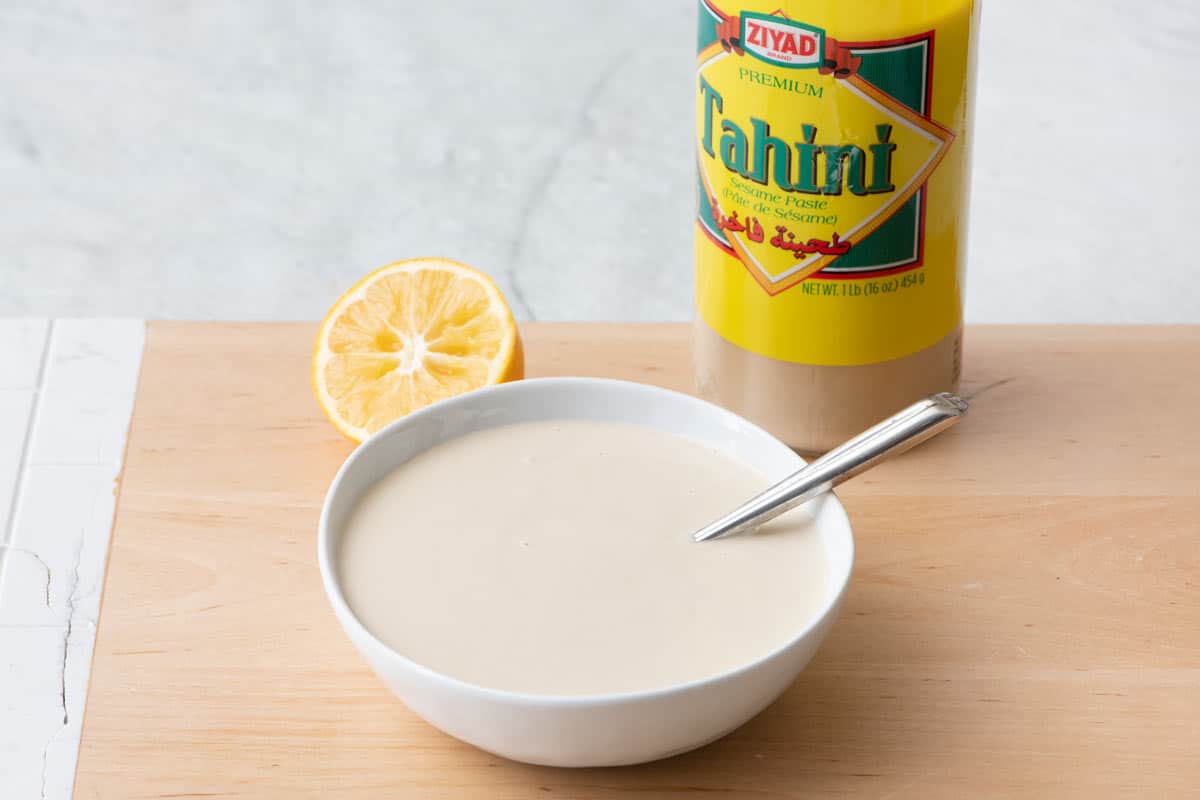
column 26, row 454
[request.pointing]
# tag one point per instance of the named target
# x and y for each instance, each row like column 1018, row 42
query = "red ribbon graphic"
column 838, row 61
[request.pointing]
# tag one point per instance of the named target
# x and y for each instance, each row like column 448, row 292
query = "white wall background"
column 249, row 160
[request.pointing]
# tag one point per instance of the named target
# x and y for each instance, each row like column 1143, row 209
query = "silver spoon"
column 908, row 428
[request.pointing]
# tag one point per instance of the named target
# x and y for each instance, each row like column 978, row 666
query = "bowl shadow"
column 850, row 720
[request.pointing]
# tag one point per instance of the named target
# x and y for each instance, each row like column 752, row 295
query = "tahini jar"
column 833, row 147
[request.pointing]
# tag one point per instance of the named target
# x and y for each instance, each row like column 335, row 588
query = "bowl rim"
column 828, row 503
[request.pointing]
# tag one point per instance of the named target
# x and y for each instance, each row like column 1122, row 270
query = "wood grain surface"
column 1023, row 621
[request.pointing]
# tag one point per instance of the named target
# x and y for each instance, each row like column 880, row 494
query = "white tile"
column 15, row 408
column 32, row 713
column 25, row 585
column 63, row 521
column 22, row 342
column 53, row 562
column 87, row 391
column 62, row 748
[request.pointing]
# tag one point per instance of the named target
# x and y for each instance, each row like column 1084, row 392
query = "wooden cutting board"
column 1023, row 621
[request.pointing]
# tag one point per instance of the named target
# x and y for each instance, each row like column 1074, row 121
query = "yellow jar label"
column 830, row 197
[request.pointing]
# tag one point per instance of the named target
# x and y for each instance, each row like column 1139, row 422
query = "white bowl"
column 594, row 730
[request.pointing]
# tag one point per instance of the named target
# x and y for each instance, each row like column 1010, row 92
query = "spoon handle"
column 908, row 428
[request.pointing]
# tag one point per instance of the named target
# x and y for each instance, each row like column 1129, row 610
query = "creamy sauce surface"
column 555, row 557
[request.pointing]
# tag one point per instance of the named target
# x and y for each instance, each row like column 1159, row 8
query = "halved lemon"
column 410, row 334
